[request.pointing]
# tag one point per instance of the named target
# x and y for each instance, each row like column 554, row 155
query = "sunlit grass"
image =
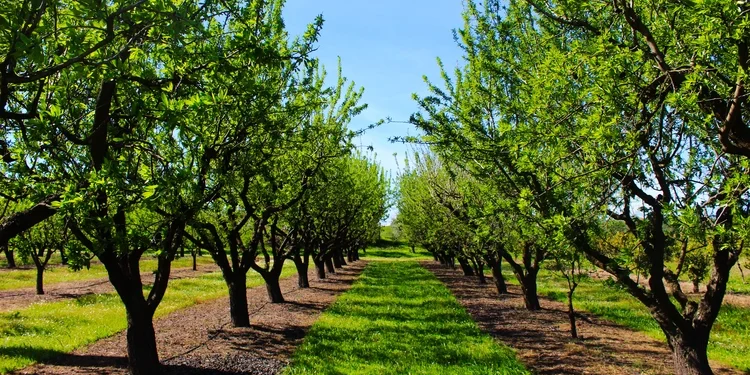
column 395, row 251
column 399, row 319
column 26, row 278
column 45, row 330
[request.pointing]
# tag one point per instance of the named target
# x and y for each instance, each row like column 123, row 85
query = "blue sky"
column 386, row 47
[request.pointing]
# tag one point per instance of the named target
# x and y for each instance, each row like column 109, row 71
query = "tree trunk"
column 350, row 256
column 273, row 287
column 497, row 275
column 195, row 262
column 342, row 259
column 39, row 280
column 320, row 268
column 572, row 316
column 336, row 260
column 329, row 265
column 10, row 257
column 530, row 298
column 302, row 279
column 690, row 356
column 742, row 273
column 413, row 251
column 143, row 359
column 238, row 301
column 468, row 271
column 479, row 268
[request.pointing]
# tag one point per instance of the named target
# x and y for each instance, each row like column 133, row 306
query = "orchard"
column 186, row 189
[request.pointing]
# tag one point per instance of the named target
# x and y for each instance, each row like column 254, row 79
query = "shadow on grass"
column 398, row 319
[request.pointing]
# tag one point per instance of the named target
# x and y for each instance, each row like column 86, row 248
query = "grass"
column 736, row 284
column 399, row 319
column 26, row 278
column 394, row 251
column 730, row 337
column 46, row 330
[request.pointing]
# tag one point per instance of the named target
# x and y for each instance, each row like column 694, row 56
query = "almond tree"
column 40, row 243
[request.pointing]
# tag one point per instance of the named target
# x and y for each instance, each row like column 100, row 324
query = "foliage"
column 575, row 115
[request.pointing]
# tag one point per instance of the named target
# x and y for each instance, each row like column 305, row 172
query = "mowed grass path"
column 399, row 319
column 46, row 330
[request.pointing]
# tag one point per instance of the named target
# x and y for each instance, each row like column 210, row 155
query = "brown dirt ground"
column 209, row 345
column 542, row 339
column 14, row 299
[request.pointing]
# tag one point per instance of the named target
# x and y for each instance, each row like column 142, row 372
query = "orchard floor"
column 542, row 339
column 199, row 339
column 15, row 299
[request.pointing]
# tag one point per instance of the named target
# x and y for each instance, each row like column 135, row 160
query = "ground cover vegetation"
column 399, row 319
column 43, row 331
column 608, row 132
column 133, row 129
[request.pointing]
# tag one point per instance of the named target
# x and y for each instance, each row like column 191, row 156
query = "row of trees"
column 138, row 127
column 613, row 131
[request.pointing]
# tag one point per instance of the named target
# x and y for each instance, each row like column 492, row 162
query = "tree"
column 581, row 113
column 39, row 243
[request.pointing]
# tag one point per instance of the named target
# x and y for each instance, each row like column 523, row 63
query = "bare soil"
column 199, row 340
column 542, row 338
column 14, row 299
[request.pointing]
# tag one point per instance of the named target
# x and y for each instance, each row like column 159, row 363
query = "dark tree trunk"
column 195, row 261
column 413, row 251
column 10, row 257
column 468, row 271
column 350, row 256
column 273, row 287
column 497, row 275
column 530, row 297
column 336, row 260
column 238, row 301
column 320, row 268
column 572, row 315
column 479, row 269
column 143, row 358
column 182, row 251
column 39, row 279
column 342, row 260
column 690, row 356
column 329, row 265
column 302, row 266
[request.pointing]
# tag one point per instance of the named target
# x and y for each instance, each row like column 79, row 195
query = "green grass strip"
column 46, row 330
column 26, row 278
column 730, row 337
column 399, row 319
column 396, row 252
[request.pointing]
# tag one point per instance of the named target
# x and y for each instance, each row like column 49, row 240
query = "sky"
column 386, row 47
